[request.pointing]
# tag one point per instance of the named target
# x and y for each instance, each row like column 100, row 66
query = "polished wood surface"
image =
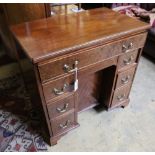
column 63, row 122
column 107, row 47
column 62, row 34
column 94, row 86
column 121, row 94
column 127, row 59
column 96, row 54
column 23, row 12
column 61, row 106
column 17, row 13
column 64, row 84
column 125, row 77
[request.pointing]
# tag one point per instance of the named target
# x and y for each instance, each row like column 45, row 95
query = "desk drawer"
column 125, row 77
column 61, row 106
column 127, row 59
column 121, row 94
column 63, row 123
column 58, row 88
column 53, row 68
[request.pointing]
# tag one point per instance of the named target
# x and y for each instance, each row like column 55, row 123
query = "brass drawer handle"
column 125, row 80
column 63, row 126
column 120, row 97
column 69, row 69
column 60, row 91
column 128, row 61
column 125, row 48
column 64, row 109
column 130, row 46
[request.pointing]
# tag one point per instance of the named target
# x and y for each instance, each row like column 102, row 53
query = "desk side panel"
column 32, row 84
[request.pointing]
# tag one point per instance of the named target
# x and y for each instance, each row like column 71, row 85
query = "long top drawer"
column 54, row 68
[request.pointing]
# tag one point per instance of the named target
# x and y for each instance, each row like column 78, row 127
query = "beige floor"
column 129, row 129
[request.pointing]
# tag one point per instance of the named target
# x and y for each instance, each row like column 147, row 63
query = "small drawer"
column 120, row 95
column 64, row 64
column 58, row 88
column 127, row 59
column 125, row 77
column 63, row 123
column 61, row 106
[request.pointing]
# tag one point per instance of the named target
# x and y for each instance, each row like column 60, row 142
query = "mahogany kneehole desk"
column 75, row 62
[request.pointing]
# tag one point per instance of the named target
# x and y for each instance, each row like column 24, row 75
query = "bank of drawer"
column 127, row 59
column 125, row 77
column 58, row 88
column 53, row 68
column 63, row 123
column 121, row 94
column 61, row 106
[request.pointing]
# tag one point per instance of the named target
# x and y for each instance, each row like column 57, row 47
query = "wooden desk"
column 104, row 48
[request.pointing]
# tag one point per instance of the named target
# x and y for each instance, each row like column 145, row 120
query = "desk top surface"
column 61, row 34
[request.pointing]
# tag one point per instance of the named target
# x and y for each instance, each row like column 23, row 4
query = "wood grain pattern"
column 62, row 34
column 15, row 13
column 125, row 77
column 121, row 94
column 107, row 45
column 97, row 54
column 61, row 104
column 127, row 59
column 21, row 12
column 88, row 92
column 67, row 120
column 58, row 84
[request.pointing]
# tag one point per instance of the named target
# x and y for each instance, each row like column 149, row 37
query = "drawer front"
column 125, row 77
column 61, row 106
column 63, row 123
column 53, row 68
column 121, row 94
column 57, row 67
column 127, row 59
column 58, row 88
